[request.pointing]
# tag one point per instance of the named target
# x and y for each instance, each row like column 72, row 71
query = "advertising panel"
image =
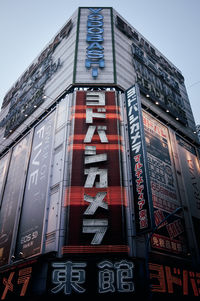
column 35, row 195
column 95, row 200
column 170, row 236
column 141, row 185
column 11, row 197
column 191, row 174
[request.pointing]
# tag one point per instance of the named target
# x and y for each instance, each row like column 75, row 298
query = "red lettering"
column 157, row 273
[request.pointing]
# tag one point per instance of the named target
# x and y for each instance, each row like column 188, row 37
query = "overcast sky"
column 172, row 26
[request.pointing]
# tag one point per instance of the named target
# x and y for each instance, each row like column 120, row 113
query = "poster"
column 11, row 197
column 36, row 191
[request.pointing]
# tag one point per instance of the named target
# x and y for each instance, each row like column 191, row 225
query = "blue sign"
column 95, row 51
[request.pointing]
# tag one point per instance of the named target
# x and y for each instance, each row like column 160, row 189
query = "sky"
column 172, row 26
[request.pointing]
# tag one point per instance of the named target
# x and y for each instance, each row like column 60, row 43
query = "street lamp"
column 148, row 241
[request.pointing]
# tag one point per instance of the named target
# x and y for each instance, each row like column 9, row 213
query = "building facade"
column 99, row 181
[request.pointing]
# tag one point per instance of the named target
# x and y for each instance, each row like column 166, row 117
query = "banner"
column 170, row 236
column 141, row 185
column 11, row 197
column 95, row 199
column 35, row 195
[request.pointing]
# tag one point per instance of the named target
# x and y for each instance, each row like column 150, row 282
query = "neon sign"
column 113, row 277
column 95, row 51
column 166, row 279
column 96, row 197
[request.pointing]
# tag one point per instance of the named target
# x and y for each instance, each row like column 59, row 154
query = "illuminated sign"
column 142, row 194
column 28, row 92
column 16, row 283
column 95, row 50
column 69, row 277
column 174, row 280
column 95, row 197
column 96, row 277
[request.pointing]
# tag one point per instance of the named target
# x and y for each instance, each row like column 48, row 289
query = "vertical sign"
column 35, row 195
column 10, row 201
column 94, row 56
column 95, row 199
column 170, row 236
column 95, row 50
column 141, row 189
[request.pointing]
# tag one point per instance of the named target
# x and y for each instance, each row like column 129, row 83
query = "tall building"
column 99, row 170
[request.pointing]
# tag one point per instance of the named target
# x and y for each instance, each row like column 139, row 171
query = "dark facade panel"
column 11, row 197
column 30, row 234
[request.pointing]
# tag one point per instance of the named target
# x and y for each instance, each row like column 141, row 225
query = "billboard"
column 170, row 236
column 141, row 185
column 36, row 191
column 191, row 174
column 11, row 197
column 95, row 198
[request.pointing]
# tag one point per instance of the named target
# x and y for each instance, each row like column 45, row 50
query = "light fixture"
column 177, row 118
column 167, row 111
column 147, row 95
column 157, row 103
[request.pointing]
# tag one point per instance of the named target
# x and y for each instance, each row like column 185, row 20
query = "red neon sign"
column 174, row 280
column 96, row 197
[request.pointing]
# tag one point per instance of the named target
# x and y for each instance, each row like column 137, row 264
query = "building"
column 99, row 181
